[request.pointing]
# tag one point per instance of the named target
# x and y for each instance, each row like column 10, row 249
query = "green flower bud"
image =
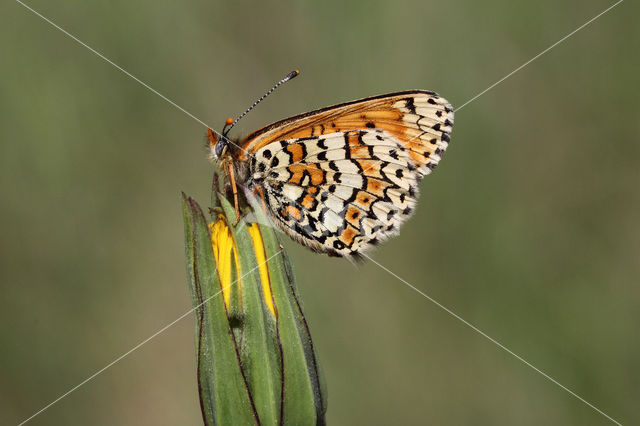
column 256, row 360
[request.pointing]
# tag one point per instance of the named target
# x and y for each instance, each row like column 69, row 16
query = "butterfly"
column 344, row 178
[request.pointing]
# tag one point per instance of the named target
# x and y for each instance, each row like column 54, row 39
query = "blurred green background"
column 528, row 229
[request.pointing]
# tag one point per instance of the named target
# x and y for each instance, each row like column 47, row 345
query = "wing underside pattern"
column 348, row 178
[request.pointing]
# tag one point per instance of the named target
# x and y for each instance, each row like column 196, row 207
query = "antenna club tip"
column 293, row 74
column 228, row 121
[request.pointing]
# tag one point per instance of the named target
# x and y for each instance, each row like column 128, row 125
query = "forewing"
column 419, row 120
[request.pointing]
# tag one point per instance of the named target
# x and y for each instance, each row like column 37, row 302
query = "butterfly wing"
column 420, row 119
column 344, row 178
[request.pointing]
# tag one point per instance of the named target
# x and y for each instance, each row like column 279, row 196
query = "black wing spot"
column 410, row 105
column 370, row 125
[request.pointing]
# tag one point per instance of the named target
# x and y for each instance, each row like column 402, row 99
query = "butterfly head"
column 218, row 146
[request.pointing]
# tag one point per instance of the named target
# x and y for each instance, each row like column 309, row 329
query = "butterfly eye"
column 220, row 148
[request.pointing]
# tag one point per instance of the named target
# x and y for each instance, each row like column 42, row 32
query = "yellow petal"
column 223, row 248
column 261, row 258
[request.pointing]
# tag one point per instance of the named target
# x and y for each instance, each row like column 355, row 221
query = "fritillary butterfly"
column 344, row 178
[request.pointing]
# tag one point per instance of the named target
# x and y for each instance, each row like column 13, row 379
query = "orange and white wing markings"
column 344, row 178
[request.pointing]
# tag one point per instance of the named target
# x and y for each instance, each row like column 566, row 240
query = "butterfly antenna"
column 288, row 77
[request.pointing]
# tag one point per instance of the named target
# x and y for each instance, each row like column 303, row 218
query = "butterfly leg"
column 258, row 190
column 235, row 191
